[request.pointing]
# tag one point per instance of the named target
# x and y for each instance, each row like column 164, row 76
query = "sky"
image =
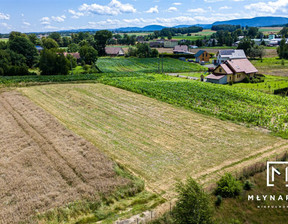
column 54, row 15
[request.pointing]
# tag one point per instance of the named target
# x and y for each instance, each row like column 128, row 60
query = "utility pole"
column 159, row 64
column 162, row 65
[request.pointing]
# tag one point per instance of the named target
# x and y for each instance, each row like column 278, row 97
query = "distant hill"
column 149, row 28
column 257, row 21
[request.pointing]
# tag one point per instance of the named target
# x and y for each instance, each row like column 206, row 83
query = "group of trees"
column 282, row 50
column 251, row 49
column 169, row 32
column 17, row 55
column 124, row 40
column 228, row 34
column 142, row 51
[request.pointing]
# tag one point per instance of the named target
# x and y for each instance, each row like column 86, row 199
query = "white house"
column 225, row 55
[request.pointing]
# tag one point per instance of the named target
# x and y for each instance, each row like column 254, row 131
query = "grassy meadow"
column 156, row 141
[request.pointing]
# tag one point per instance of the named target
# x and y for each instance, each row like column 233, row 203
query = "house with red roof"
column 232, row 71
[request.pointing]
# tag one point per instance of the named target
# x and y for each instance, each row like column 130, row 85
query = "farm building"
column 224, row 55
column 156, row 44
column 75, row 55
column 232, row 71
column 114, row 51
column 170, row 43
column 181, row 49
column 202, row 56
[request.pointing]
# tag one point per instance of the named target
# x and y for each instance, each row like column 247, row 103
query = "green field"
column 268, row 30
column 225, row 102
column 4, row 39
column 272, row 66
column 147, row 65
column 270, row 84
column 156, row 141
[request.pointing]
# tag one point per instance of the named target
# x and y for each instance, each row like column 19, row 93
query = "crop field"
column 269, row 30
column 272, row 66
column 157, row 141
column 226, row 102
column 147, row 65
column 44, row 165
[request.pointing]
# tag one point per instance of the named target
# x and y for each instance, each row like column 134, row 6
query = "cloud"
column 153, row 9
column 45, row 20
column 58, row 19
column 26, row 24
column 7, row 26
column 49, row 27
column 115, row 7
column 198, row 10
column 177, row 3
column 75, row 15
column 4, row 16
column 172, row 9
column 224, row 7
column 269, row 7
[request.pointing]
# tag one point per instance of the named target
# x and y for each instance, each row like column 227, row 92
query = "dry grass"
column 157, row 141
column 44, row 165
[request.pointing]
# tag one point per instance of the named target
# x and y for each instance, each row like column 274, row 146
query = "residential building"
column 224, row 55
column 114, row 51
column 202, row 56
column 232, row 71
column 181, row 49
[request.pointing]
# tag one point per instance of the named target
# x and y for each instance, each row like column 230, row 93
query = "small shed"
column 217, row 79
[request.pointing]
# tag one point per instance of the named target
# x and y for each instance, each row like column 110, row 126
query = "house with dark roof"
column 202, row 56
column 232, row 71
column 114, row 51
column 224, row 55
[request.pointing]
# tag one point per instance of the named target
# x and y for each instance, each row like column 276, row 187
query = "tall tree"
column 49, row 43
column 88, row 54
column 193, row 204
column 101, row 38
column 24, row 46
column 53, row 63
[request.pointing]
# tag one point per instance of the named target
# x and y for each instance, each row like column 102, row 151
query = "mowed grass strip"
column 146, row 65
column 155, row 140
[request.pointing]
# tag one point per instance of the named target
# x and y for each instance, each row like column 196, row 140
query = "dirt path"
column 43, row 165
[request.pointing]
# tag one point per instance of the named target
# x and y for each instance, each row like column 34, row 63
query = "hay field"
column 157, row 141
column 44, row 165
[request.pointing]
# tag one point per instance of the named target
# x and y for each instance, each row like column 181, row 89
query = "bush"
column 247, row 185
column 228, row 186
column 218, row 200
column 193, row 204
